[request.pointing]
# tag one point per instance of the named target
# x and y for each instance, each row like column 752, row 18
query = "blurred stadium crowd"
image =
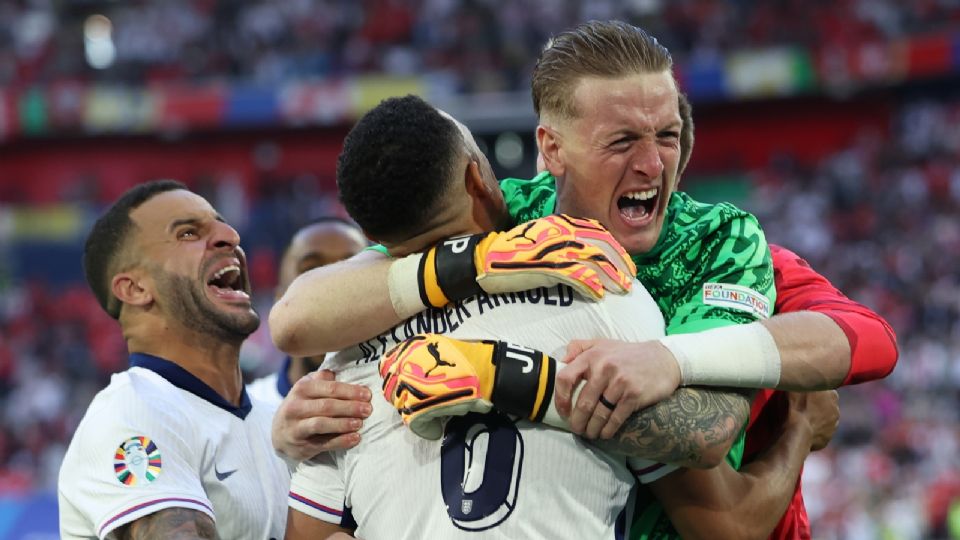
column 880, row 217
column 482, row 45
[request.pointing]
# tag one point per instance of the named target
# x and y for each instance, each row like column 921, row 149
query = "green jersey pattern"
column 699, row 244
column 530, row 199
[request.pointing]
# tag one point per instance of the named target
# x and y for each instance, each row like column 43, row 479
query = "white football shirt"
column 157, row 437
column 508, row 478
column 272, row 388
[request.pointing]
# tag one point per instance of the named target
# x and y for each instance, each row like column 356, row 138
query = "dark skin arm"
column 695, row 427
column 170, row 524
column 300, row 526
column 724, row 503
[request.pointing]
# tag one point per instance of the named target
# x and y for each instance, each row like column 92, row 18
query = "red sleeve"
column 873, row 344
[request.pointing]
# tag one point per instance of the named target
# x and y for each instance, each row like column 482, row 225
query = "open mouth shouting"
column 228, row 282
column 639, row 208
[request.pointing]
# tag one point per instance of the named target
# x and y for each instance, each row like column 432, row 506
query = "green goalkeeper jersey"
column 710, row 267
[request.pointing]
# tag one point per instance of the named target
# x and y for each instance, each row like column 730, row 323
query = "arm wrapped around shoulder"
column 555, row 249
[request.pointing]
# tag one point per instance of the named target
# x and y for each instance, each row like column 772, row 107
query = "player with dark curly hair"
column 343, row 491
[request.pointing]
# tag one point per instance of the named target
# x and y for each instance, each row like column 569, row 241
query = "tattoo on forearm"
column 678, row 429
column 170, row 523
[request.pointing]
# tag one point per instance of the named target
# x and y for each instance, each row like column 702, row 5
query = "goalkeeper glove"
column 540, row 253
column 429, row 377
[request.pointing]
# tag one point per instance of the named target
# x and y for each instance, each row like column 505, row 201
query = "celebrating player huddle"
column 572, row 356
column 486, row 471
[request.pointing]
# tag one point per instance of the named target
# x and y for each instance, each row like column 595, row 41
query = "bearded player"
column 173, row 447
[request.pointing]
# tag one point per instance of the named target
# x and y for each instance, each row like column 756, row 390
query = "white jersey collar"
column 183, row 379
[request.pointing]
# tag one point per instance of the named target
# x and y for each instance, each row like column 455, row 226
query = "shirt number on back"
column 480, row 464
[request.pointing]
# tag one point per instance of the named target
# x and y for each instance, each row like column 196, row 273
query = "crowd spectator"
column 480, row 45
column 881, row 219
column 56, row 352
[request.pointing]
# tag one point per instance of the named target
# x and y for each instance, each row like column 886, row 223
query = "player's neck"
column 215, row 362
column 457, row 226
column 452, row 218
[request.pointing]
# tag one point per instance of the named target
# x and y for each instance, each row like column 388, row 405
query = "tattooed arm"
column 692, row 427
column 695, row 427
column 172, row 524
column 724, row 503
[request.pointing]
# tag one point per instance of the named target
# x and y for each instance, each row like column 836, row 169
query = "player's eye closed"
column 669, row 134
column 622, row 142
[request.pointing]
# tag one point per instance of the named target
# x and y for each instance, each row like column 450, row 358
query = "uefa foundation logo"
column 137, row 460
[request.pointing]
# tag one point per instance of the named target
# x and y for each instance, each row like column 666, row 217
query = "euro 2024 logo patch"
column 137, row 460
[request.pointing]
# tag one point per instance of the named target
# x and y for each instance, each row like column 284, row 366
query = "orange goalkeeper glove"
column 430, row 377
column 540, row 253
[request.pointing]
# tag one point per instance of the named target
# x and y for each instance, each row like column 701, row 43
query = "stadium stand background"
column 836, row 122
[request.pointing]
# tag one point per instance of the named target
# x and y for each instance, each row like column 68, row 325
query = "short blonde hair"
column 607, row 49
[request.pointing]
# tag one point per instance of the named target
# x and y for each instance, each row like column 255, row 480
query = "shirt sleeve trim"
column 148, row 504
column 654, row 472
column 315, row 505
column 649, row 469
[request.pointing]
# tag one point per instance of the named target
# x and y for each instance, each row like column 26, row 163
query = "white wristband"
column 404, row 285
column 742, row 356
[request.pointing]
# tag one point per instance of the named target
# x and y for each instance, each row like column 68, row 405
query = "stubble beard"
column 191, row 307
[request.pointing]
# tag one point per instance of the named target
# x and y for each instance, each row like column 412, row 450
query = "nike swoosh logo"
column 221, row 476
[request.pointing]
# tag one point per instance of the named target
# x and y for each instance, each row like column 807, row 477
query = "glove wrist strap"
column 447, row 271
column 523, row 384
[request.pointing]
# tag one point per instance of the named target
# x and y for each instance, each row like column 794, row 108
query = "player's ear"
column 488, row 209
column 550, row 152
column 129, row 288
column 473, row 181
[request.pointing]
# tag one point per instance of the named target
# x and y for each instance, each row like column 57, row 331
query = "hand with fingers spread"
column 319, row 415
column 820, row 410
column 619, row 378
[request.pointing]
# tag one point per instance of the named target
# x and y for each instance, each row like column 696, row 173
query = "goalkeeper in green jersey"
column 615, row 134
column 413, row 211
